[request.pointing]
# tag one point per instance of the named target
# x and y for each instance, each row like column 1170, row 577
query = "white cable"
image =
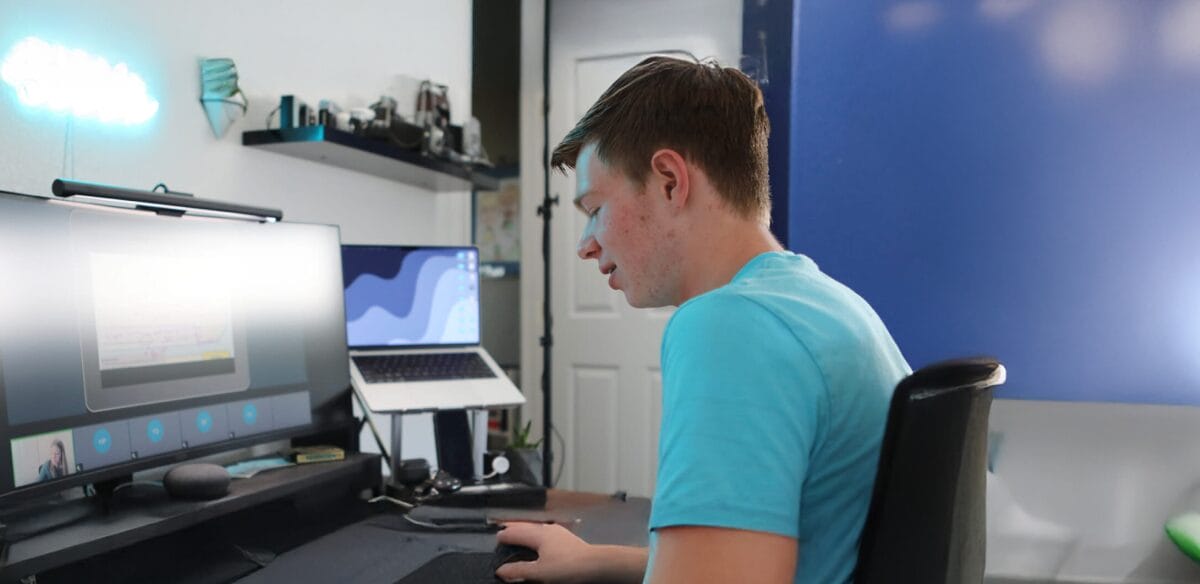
column 500, row 465
column 393, row 501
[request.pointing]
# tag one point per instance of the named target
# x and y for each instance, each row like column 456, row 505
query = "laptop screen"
column 401, row 296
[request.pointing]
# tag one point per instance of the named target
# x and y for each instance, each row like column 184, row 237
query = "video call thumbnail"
column 43, row 457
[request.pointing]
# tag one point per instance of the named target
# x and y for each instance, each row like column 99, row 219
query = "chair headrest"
column 980, row 372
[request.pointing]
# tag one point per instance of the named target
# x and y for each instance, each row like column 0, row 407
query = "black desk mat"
column 385, row 548
column 377, row 550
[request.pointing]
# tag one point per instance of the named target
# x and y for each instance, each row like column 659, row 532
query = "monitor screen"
column 398, row 296
column 129, row 339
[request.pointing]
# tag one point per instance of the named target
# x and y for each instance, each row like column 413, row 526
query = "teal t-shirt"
column 776, row 389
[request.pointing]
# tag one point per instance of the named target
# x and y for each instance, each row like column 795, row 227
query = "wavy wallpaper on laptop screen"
column 403, row 296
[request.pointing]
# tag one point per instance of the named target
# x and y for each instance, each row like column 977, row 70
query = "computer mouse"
column 508, row 553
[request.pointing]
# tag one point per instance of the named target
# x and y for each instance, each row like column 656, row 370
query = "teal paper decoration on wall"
column 220, row 95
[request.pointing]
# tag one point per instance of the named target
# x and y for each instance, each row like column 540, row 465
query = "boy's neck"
column 719, row 252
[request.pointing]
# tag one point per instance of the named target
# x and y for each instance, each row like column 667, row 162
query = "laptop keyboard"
column 422, row 367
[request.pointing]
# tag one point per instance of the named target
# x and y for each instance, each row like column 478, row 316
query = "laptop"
column 413, row 329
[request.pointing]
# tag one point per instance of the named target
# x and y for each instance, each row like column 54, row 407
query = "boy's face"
column 627, row 233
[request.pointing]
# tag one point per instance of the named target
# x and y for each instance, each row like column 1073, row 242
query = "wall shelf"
column 346, row 150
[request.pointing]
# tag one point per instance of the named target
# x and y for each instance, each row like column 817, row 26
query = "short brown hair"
column 713, row 116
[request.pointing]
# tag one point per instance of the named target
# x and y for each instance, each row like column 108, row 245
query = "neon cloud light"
column 74, row 82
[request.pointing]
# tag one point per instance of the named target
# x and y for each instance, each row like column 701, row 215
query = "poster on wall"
column 497, row 224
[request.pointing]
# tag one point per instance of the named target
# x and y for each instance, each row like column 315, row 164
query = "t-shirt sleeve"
column 742, row 400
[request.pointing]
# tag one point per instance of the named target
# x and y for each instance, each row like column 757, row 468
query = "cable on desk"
column 425, row 524
column 482, row 526
column 392, row 500
column 259, row 558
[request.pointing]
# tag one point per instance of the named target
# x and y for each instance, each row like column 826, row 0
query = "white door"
column 606, row 381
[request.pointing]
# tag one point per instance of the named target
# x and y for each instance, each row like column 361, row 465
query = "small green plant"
column 521, row 438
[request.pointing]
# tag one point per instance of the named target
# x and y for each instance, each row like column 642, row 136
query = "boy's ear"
column 669, row 172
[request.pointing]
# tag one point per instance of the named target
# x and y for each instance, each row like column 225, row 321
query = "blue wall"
column 768, row 56
column 1015, row 178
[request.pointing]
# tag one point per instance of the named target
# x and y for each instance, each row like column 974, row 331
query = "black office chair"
column 926, row 523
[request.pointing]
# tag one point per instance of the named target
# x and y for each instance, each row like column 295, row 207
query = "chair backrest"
column 926, row 523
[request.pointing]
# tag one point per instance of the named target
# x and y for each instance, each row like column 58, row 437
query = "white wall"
column 350, row 56
column 1084, row 489
column 351, row 53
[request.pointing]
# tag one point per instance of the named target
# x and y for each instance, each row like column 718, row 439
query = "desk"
column 384, row 548
column 297, row 524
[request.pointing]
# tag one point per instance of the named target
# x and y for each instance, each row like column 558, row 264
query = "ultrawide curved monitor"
column 130, row 340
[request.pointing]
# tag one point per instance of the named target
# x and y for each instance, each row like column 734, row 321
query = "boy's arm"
column 717, row 554
column 620, row 563
column 563, row 558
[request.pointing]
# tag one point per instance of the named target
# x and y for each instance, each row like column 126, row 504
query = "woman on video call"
column 57, row 465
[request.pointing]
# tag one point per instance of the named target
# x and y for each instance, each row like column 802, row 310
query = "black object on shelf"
column 376, row 157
